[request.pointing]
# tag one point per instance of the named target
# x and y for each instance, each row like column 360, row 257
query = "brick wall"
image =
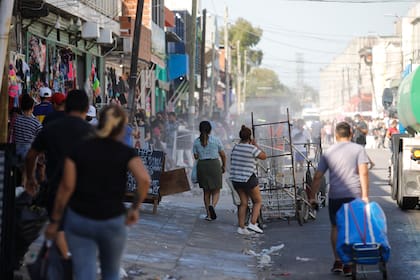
column 127, row 22
column 129, row 9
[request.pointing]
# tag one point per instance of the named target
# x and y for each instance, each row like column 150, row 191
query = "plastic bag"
column 50, row 265
column 38, row 269
column 30, row 219
column 194, row 178
column 361, row 223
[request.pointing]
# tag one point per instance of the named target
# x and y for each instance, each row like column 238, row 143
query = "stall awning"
column 172, row 37
column 169, row 18
column 177, row 65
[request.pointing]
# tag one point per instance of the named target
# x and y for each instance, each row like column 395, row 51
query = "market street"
column 177, row 243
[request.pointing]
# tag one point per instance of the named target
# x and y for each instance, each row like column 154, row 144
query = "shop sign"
column 153, row 161
column 158, row 41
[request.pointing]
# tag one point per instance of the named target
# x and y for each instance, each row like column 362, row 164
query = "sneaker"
column 347, row 270
column 255, row 228
column 337, row 267
column 212, row 212
column 243, row 231
column 207, row 218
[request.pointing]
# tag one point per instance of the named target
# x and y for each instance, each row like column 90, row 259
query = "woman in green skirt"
column 207, row 149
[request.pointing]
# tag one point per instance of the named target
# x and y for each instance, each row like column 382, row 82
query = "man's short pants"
column 334, row 205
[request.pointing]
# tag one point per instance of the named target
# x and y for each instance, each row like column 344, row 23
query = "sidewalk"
column 177, row 243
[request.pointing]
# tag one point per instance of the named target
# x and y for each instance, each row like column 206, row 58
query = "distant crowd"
column 377, row 135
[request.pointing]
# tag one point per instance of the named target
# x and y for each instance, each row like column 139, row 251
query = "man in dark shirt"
column 45, row 107
column 59, row 103
column 360, row 130
column 56, row 141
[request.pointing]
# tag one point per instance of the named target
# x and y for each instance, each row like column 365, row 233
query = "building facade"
column 355, row 80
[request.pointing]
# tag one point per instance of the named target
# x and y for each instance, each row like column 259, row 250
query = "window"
column 158, row 12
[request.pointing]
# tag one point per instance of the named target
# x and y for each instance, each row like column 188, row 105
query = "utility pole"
column 238, row 76
column 343, row 87
column 134, row 59
column 203, row 64
column 191, row 68
column 212, row 86
column 299, row 77
column 227, row 64
column 245, row 70
column 6, row 9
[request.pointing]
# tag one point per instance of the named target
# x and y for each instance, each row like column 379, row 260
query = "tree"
column 249, row 36
column 263, row 82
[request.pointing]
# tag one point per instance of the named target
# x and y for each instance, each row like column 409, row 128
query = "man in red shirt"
column 393, row 129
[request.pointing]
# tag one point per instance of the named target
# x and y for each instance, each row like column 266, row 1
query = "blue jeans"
column 86, row 236
column 21, row 151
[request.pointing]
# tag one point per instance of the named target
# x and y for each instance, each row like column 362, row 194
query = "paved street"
column 177, row 243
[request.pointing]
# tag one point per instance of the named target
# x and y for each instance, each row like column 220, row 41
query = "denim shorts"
column 334, row 205
column 246, row 186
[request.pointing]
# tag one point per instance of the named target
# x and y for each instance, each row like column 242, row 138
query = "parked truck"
column 405, row 159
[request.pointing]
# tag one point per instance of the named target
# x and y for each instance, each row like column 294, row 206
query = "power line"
column 304, row 48
column 354, row 1
column 391, row 62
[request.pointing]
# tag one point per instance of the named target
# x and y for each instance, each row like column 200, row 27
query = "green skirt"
column 209, row 174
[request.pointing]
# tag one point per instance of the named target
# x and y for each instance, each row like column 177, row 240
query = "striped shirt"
column 211, row 151
column 25, row 129
column 243, row 162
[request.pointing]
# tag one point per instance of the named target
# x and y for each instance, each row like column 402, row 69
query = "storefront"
column 162, row 87
column 61, row 60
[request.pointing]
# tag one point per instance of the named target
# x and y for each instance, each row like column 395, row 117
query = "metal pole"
column 238, row 76
column 245, row 70
column 191, row 68
column 6, row 9
column 227, row 70
column 212, row 83
column 252, row 124
column 203, row 64
column 134, row 59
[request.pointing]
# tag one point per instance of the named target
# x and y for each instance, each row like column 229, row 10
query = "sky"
column 317, row 30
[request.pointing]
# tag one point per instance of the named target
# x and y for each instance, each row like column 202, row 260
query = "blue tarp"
column 360, row 222
column 177, row 66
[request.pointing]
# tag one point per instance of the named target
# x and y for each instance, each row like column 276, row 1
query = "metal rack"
column 283, row 197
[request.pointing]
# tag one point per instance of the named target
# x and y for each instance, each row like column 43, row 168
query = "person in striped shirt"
column 243, row 176
column 25, row 127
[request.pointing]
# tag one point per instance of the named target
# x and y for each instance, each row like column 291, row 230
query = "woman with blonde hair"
column 92, row 188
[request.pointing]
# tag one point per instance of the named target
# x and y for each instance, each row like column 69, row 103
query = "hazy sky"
column 318, row 30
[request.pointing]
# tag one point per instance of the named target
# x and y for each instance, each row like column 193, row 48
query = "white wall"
column 175, row 5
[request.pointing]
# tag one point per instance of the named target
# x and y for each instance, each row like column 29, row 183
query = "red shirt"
column 393, row 130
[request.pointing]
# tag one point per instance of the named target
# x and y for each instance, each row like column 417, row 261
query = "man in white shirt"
column 300, row 139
